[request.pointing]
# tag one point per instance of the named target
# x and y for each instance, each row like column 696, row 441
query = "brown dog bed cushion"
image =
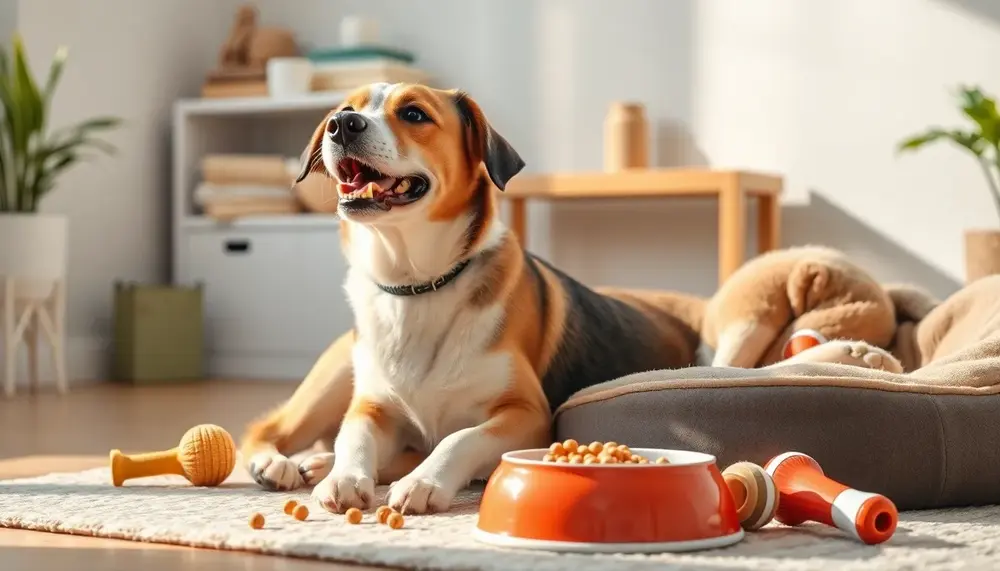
column 926, row 439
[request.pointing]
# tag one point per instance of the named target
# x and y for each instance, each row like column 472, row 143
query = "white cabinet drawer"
column 270, row 292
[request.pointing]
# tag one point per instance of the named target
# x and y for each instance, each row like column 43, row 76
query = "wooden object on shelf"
column 731, row 188
column 243, row 57
column 249, row 45
column 626, row 137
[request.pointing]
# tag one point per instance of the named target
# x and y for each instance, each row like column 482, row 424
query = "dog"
column 463, row 343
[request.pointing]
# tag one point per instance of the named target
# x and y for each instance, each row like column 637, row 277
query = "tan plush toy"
column 750, row 319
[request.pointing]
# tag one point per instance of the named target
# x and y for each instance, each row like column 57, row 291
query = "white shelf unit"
column 273, row 284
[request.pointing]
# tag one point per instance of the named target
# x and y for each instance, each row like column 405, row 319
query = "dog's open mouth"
column 362, row 185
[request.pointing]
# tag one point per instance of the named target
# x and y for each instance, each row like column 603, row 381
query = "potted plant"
column 33, row 245
column 982, row 140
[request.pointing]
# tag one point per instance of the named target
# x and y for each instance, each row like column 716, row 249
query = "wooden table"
column 732, row 189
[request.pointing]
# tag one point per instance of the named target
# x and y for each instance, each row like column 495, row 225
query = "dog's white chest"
column 430, row 354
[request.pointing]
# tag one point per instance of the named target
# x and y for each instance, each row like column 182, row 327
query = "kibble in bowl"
column 572, row 452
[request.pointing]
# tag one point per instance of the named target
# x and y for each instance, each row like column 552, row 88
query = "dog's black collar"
column 417, row 289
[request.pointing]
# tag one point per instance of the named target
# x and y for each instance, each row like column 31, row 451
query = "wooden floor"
column 47, row 432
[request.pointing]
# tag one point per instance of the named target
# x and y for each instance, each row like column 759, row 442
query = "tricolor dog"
column 463, row 343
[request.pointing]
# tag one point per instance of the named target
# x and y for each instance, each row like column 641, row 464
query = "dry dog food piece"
column 382, row 514
column 300, row 512
column 395, row 520
column 353, row 516
column 257, row 521
column 572, row 452
column 290, row 506
column 662, row 460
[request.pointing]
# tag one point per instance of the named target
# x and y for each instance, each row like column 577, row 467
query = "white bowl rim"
column 678, row 458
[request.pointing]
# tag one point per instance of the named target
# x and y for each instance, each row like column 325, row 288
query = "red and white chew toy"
column 807, row 494
column 800, row 341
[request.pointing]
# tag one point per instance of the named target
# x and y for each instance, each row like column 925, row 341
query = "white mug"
column 288, row 76
column 358, row 31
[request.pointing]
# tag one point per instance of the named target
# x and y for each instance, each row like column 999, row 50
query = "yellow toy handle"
column 127, row 466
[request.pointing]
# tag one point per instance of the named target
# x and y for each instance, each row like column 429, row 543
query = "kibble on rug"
column 167, row 509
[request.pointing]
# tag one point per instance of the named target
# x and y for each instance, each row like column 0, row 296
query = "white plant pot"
column 33, row 252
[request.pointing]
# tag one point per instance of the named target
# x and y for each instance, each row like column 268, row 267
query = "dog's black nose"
column 346, row 126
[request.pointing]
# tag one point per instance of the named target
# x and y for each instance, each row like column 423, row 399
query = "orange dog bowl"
column 622, row 508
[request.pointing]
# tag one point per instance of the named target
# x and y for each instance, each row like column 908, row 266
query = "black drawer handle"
column 237, row 246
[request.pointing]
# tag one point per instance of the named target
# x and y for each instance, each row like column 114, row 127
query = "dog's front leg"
column 367, row 440
column 467, row 454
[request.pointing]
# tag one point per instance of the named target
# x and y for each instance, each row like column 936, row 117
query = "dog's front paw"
column 275, row 472
column 339, row 492
column 316, row 467
column 419, row 495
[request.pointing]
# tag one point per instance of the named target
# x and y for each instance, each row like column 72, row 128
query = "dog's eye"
column 413, row 114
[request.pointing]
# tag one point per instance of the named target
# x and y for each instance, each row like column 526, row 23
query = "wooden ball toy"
column 754, row 493
column 205, row 456
column 800, row 341
column 807, row 494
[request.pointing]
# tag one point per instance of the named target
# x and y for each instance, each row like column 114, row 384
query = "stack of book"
column 236, row 185
column 345, row 68
column 235, row 83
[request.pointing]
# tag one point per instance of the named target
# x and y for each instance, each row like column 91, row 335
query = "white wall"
column 130, row 59
column 8, row 21
column 820, row 91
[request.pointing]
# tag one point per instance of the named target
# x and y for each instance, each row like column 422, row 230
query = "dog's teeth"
column 369, row 190
column 403, row 186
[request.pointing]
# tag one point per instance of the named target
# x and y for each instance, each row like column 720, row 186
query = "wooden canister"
column 626, row 137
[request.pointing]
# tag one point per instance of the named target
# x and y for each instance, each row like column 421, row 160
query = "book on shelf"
column 260, row 169
column 232, row 88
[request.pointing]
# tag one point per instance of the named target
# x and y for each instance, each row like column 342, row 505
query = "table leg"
column 732, row 228
column 768, row 223
column 519, row 220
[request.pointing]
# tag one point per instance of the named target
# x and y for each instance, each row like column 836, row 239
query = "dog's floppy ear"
column 312, row 156
column 483, row 144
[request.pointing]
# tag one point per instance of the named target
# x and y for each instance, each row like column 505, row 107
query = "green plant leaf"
column 55, row 72
column 31, row 159
column 971, row 141
column 918, row 141
column 982, row 110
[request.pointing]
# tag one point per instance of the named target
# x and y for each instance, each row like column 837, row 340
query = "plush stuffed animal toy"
column 749, row 321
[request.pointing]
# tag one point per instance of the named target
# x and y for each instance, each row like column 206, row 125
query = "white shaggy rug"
column 167, row 510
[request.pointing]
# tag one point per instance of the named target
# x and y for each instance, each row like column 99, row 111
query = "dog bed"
column 929, row 438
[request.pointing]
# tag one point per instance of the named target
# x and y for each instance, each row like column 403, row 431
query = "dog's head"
column 400, row 149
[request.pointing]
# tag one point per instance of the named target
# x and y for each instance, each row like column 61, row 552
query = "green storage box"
column 159, row 333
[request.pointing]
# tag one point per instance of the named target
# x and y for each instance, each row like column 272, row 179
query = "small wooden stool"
column 25, row 318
